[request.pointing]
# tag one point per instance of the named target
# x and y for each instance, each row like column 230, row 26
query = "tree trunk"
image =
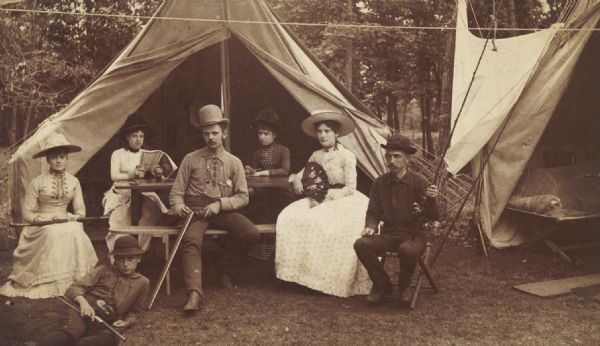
column 349, row 57
column 27, row 123
column 392, row 111
column 512, row 15
column 12, row 132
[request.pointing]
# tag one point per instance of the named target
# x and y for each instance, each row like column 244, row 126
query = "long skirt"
column 315, row 246
column 48, row 259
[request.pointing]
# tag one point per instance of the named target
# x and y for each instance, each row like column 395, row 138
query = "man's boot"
column 377, row 293
column 194, row 302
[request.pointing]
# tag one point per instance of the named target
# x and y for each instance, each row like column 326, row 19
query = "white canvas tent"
column 534, row 98
column 231, row 53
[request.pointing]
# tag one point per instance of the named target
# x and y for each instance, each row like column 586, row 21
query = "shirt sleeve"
column 240, row 198
column 115, row 168
column 137, row 308
column 30, row 204
column 180, row 185
column 78, row 203
column 284, row 168
column 349, row 167
column 374, row 211
column 85, row 283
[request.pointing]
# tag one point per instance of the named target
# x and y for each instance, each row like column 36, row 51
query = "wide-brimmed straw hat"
column 54, row 141
column 126, row 246
column 208, row 115
column 135, row 123
column 269, row 118
column 400, row 142
column 346, row 123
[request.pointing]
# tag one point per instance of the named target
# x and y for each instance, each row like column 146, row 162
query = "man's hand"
column 85, row 309
column 367, row 232
column 297, row 185
column 105, row 307
column 212, row 209
column 181, row 210
column 432, row 191
column 121, row 324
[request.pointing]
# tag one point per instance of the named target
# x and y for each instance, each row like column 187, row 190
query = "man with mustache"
column 211, row 182
column 403, row 200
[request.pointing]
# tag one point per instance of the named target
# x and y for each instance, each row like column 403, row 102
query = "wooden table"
column 151, row 185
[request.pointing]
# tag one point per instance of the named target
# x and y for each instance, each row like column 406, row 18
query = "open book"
column 153, row 158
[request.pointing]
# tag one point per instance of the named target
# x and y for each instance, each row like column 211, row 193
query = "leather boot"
column 377, row 294
column 226, row 281
column 405, row 297
column 194, row 302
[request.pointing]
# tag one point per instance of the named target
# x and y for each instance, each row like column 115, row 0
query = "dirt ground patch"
column 476, row 305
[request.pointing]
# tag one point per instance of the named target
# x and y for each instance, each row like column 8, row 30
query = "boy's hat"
column 208, row 115
column 269, row 118
column 127, row 246
column 400, row 142
column 54, row 141
column 346, row 123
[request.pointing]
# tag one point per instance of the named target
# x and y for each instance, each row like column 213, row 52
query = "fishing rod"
column 55, row 221
column 96, row 318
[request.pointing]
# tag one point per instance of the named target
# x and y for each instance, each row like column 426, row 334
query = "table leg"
column 136, row 207
column 166, row 241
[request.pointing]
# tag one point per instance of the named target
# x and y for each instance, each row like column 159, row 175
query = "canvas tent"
column 230, row 53
column 534, row 107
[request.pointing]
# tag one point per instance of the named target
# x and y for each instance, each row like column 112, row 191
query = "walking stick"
column 51, row 222
column 163, row 275
column 96, row 318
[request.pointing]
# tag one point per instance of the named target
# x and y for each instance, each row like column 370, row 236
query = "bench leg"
column 554, row 248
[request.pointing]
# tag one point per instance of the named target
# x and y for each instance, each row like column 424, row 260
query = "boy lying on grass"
column 116, row 294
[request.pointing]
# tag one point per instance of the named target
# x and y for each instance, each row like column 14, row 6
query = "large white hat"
column 53, row 141
column 346, row 123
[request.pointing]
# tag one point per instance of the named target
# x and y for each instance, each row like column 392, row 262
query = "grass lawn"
column 476, row 305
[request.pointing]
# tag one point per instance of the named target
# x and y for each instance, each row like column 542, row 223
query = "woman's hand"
column 249, row 170
column 297, row 185
column 264, row 173
column 157, row 172
column 312, row 202
column 139, row 172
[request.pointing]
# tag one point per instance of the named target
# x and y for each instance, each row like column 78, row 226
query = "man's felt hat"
column 269, row 118
column 346, row 123
column 135, row 123
column 208, row 115
column 55, row 140
column 400, row 142
column 126, row 246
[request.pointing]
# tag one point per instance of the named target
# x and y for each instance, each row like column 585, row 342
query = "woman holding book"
column 126, row 164
column 55, row 250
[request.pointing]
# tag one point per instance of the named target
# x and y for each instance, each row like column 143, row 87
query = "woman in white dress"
column 314, row 245
column 125, row 164
column 50, row 257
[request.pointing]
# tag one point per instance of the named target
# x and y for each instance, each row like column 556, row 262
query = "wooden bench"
column 164, row 232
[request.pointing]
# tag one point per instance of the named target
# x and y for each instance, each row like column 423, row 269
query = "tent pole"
column 225, row 91
column 225, row 80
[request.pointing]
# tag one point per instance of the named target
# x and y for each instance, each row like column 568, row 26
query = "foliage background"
column 403, row 76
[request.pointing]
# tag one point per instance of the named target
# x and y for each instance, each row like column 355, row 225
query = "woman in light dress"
column 50, row 257
column 125, row 164
column 314, row 245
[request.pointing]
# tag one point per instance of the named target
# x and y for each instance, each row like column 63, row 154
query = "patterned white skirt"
column 48, row 259
column 315, row 246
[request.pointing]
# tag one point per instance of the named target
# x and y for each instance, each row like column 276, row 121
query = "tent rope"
column 337, row 25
